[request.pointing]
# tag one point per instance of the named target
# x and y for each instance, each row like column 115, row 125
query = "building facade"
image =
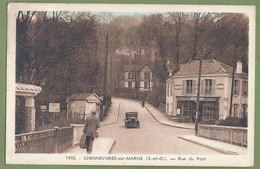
column 138, row 75
column 215, row 91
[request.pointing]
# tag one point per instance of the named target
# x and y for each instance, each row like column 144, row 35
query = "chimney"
column 168, row 66
column 239, row 67
column 170, row 72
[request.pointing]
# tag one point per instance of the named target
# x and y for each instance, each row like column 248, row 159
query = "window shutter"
column 183, row 87
column 213, row 86
column 202, row 87
column 194, row 87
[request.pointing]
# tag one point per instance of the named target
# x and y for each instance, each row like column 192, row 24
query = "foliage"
column 59, row 122
column 61, row 55
column 130, row 94
column 233, row 121
column 154, row 98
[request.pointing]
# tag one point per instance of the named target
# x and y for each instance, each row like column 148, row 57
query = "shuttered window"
column 208, row 86
column 244, row 88
column 130, row 75
column 189, row 86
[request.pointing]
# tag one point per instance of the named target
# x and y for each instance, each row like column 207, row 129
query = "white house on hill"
column 138, row 75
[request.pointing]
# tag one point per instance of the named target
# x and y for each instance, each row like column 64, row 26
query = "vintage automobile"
column 131, row 120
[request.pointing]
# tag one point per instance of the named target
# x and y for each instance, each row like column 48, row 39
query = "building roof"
column 134, row 68
column 131, row 68
column 27, row 88
column 83, row 96
column 208, row 67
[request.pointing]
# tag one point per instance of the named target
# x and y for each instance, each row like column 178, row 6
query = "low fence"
column 233, row 135
column 54, row 140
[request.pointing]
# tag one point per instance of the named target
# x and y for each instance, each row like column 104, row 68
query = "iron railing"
column 54, row 140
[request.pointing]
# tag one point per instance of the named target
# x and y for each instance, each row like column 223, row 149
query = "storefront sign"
column 195, row 98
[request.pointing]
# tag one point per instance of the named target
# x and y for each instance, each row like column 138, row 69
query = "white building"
column 81, row 105
column 215, row 92
column 138, row 75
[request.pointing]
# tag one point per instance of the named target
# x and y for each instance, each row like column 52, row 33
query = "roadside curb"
column 223, row 151
column 115, row 120
column 176, row 126
column 100, row 146
column 111, row 147
column 166, row 123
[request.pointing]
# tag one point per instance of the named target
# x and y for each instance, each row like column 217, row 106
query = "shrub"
column 130, row 94
column 220, row 122
column 234, row 121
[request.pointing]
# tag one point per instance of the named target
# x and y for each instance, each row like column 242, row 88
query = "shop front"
column 208, row 109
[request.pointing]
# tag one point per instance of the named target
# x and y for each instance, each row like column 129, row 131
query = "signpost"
column 43, row 110
column 54, row 108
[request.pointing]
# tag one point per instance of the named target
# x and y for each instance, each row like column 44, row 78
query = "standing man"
column 90, row 130
column 143, row 102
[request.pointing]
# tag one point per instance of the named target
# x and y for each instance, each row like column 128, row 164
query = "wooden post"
column 198, row 100
column 231, row 96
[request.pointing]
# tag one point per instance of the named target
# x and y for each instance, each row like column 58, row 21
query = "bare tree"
column 178, row 24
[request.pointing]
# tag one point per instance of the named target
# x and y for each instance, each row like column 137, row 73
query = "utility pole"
column 105, row 71
column 231, row 96
column 198, row 100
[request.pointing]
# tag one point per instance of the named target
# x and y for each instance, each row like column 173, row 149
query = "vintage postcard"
column 130, row 84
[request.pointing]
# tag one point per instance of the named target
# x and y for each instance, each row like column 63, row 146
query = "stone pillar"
column 29, row 114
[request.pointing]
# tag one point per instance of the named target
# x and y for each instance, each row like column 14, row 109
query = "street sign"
column 43, row 107
column 54, row 107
